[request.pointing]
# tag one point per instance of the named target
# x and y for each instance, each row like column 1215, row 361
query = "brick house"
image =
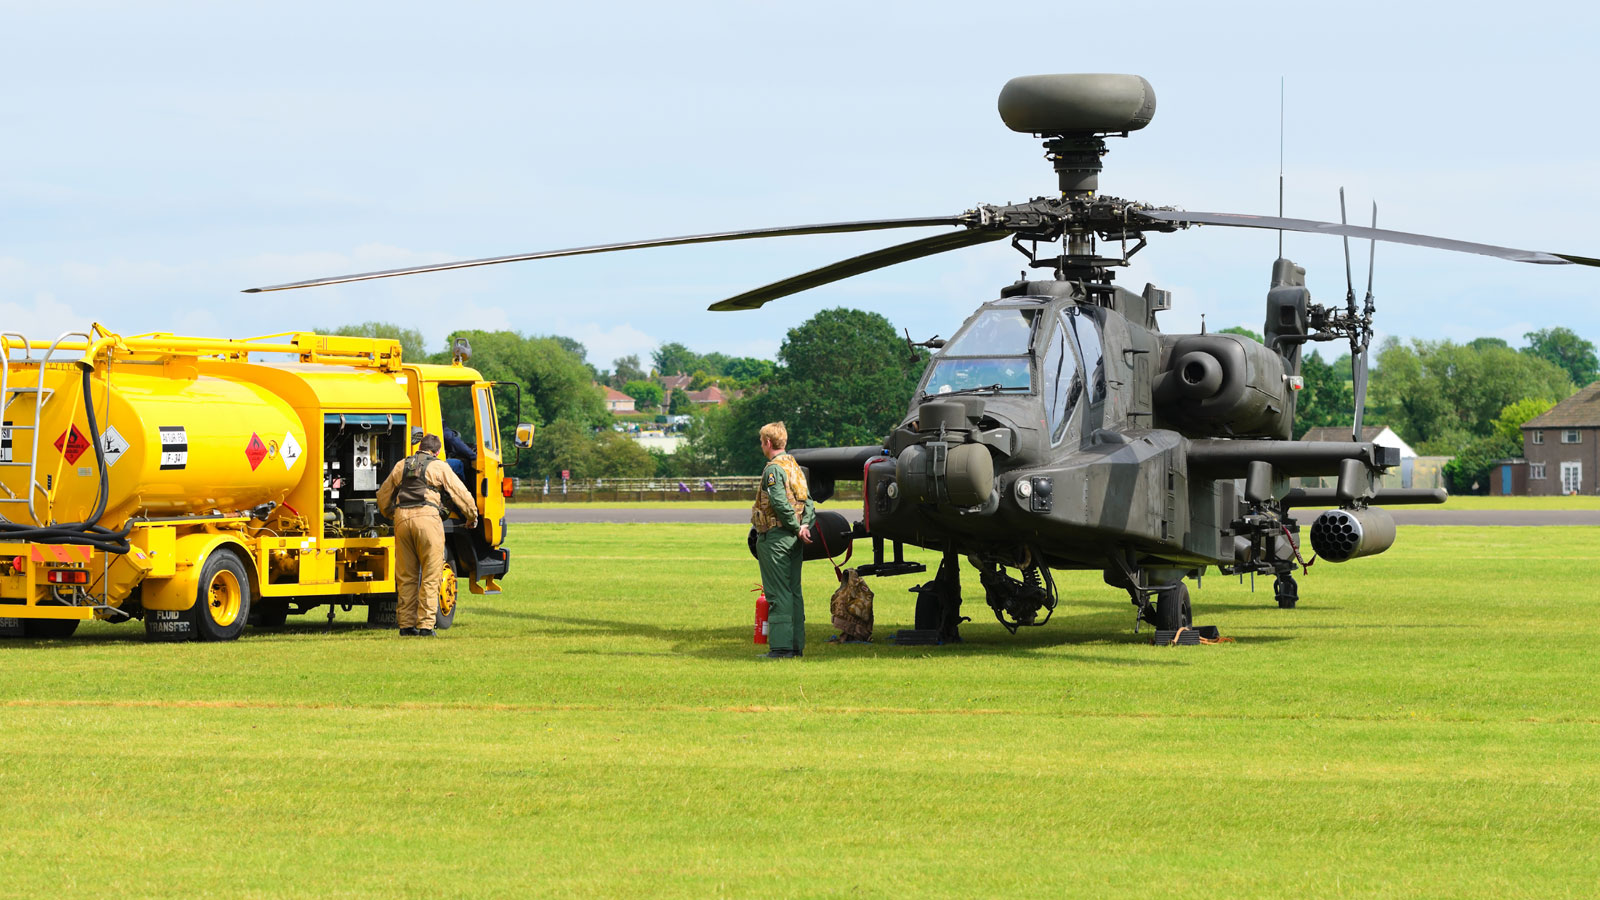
column 711, row 396
column 616, row 401
column 1562, row 447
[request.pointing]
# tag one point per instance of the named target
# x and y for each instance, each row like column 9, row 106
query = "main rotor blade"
column 1236, row 220
column 877, row 259
column 746, row 234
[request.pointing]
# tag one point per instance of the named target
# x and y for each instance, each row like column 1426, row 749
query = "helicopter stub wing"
column 1311, row 226
column 713, row 237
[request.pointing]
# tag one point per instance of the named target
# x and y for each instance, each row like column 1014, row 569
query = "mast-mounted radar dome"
column 1077, row 104
column 1073, row 113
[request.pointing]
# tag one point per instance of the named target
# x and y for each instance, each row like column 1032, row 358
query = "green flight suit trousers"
column 780, row 554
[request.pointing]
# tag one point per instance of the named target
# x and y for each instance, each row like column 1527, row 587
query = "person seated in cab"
column 460, row 453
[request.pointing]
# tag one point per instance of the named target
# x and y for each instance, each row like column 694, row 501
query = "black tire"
column 266, row 613
column 1172, row 608
column 49, row 629
column 222, row 598
column 1287, row 591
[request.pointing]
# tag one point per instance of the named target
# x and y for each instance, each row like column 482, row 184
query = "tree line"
column 845, row 377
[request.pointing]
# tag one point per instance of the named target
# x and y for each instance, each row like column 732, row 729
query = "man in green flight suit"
column 782, row 516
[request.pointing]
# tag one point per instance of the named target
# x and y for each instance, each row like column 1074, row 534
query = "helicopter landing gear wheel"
column 1172, row 608
column 1287, row 591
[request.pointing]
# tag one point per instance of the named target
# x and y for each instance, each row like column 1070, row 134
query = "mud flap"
column 169, row 625
column 382, row 613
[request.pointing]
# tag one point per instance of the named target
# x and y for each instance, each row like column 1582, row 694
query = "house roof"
column 1342, row 433
column 613, row 395
column 1581, row 410
column 712, row 394
column 678, row 382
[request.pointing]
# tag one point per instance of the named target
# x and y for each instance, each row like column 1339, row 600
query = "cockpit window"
column 995, row 332
column 1063, row 381
column 1009, row 373
column 1087, row 329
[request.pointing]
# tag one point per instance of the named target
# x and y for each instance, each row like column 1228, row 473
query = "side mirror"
column 524, row 436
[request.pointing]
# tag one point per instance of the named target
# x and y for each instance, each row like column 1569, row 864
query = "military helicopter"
column 1059, row 428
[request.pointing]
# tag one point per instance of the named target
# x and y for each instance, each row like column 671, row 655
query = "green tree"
column 1509, row 423
column 562, row 444
column 681, row 404
column 1563, row 347
column 749, row 370
column 556, row 384
column 412, row 347
column 712, row 437
column 1240, row 329
column 670, row 359
column 844, row 378
column 615, row 455
column 646, row 394
column 626, row 369
column 1327, row 398
column 1431, row 389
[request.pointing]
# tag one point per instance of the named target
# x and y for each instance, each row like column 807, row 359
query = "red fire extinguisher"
column 761, row 617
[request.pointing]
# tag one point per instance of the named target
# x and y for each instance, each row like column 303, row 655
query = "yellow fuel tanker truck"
column 202, row 484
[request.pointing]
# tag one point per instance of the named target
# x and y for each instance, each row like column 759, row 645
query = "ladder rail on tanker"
column 41, row 395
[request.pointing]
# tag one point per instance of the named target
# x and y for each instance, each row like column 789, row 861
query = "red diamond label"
column 256, row 452
column 72, row 443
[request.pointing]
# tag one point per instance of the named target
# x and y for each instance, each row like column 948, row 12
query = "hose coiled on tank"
column 88, row 532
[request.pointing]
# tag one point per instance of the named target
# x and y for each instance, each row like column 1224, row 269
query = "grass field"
column 1426, row 724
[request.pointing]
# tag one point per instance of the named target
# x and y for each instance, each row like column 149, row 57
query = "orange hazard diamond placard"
column 256, row 452
column 72, row 443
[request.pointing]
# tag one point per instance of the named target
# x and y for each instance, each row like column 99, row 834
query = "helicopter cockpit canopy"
column 990, row 353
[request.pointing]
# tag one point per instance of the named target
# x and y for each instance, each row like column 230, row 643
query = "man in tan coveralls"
column 409, row 497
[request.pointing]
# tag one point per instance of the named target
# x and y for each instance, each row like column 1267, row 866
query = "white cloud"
column 44, row 318
column 607, row 344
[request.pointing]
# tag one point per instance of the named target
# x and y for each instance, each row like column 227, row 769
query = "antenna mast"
column 1280, row 162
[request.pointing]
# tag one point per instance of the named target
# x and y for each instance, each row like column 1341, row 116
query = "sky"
column 159, row 157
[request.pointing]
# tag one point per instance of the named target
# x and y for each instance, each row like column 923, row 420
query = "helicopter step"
column 886, row 568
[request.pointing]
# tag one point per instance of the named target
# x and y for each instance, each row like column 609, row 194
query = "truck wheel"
column 449, row 587
column 1172, row 608
column 222, row 604
column 49, row 628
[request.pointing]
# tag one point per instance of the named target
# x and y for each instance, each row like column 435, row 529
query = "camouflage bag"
column 851, row 607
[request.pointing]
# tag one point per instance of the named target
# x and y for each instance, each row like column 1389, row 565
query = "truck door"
column 491, row 502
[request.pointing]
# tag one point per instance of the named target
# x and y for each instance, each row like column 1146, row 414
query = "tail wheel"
column 222, row 604
column 449, row 587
